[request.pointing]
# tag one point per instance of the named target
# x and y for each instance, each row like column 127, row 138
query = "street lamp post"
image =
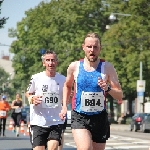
column 113, row 17
column 23, row 58
column 140, row 88
column 140, row 82
column 141, row 66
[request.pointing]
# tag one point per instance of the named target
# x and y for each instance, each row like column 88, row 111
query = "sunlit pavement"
column 116, row 142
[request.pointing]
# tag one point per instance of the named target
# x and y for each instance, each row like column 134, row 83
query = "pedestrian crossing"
column 117, row 142
column 127, row 143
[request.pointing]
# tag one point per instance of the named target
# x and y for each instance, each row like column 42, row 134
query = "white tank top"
column 51, row 89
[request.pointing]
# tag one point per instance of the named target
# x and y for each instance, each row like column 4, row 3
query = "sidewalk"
column 120, row 127
column 113, row 127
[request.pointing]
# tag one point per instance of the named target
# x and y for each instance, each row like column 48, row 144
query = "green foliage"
column 3, row 19
column 5, row 84
column 59, row 26
column 128, row 40
column 62, row 25
column 3, row 76
column 5, row 87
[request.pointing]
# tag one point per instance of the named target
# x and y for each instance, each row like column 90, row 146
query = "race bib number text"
column 92, row 101
column 50, row 100
column 3, row 113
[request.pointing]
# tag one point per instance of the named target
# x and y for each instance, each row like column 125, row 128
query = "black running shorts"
column 63, row 131
column 39, row 136
column 97, row 124
column 64, row 126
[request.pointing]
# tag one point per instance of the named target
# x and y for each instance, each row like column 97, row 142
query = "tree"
column 124, row 41
column 2, row 20
column 59, row 26
column 5, row 84
column 3, row 80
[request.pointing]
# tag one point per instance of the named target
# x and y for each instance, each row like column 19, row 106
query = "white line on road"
column 141, row 142
column 67, row 133
column 116, row 143
column 72, row 144
column 109, row 148
column 132, row 146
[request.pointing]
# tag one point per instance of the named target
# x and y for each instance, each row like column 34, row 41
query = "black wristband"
column 109, row 88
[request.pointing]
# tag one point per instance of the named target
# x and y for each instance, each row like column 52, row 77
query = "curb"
column 119, row 127
column 113, row 127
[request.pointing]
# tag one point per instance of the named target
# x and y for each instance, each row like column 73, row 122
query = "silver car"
column 146, row 124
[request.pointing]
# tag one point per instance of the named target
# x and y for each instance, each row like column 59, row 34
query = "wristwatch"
column 109, row 88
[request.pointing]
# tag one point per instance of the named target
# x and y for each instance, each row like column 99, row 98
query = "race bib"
column 18, row 110
column 2, row 113
column 50, row 100
column 92, row 101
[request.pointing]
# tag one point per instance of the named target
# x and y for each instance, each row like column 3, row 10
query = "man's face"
column 50, row 62
column 91, row 48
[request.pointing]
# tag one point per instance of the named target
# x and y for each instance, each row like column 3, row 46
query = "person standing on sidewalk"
column 16, row 113
column 45, row 93
column 93, row 78
column 4, row 108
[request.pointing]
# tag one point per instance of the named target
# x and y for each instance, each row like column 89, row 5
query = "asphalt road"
column 11, row 142
column 122, row 140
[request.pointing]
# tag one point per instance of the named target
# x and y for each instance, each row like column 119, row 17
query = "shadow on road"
column 18, row 149
column 68, row 148
column 31, row 149
column 13, row 138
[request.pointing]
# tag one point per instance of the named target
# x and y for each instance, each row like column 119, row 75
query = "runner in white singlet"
column 45, row 96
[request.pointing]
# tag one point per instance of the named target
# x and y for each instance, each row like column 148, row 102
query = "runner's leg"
column 98, row 146
column 55, row 136
column 0, row 125
column 61, row 143
column 4, row 125
column 18, row 117
column 82, row 138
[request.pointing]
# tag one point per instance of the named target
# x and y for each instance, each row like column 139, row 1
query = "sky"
column 15, row 10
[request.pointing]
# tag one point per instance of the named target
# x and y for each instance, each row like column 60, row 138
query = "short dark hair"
column 48, row 52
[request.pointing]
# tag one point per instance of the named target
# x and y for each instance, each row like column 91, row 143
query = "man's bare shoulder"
column 109, row 65
column 73, row 65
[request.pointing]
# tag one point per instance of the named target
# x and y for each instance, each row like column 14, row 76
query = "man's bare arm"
column 68, row 83
column 116, row 91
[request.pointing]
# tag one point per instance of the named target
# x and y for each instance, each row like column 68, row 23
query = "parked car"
column 146, row 124
column 136, row 121
column 69, row 115
column 25, row 112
